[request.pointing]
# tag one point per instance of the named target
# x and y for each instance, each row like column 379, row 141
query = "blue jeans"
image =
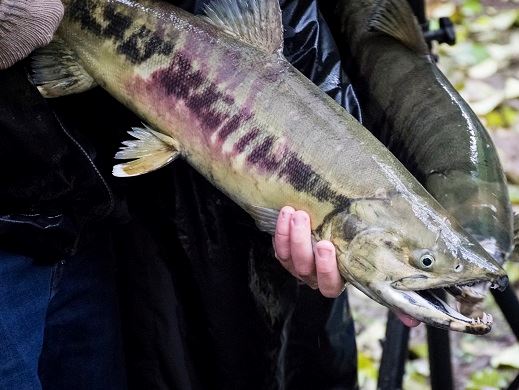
column 59, row 324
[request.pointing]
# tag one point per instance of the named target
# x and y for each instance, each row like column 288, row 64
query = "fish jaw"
column 423, row 305
column 427, row 307
column 420, row 282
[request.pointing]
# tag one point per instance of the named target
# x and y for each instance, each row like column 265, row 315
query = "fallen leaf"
column 511, row 88
column 507, row 144
column 484, row 69
column 484, row 106
column 508, row 357
column 487, row 379
column 513, row 192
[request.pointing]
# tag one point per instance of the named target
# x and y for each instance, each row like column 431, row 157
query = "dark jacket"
column 204, row 303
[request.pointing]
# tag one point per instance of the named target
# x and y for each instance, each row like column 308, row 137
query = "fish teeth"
column 485, row 319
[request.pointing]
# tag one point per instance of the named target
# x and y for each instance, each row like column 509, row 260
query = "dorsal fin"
column 256, row 22
column 396, row 19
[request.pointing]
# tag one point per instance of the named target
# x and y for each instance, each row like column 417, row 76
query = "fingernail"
column 323, row 252
column 298, row 220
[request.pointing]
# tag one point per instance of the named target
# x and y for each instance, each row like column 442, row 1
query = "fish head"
column 400, row 255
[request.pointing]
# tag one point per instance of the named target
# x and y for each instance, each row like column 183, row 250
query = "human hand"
column 316, row 265
column 26, row 25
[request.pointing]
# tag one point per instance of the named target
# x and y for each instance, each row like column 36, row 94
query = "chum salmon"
column 409, row 104
column 217, row 91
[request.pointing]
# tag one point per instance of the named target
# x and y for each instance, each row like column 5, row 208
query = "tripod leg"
column 439, row 359
column 394, row 354
column 509, row 305
column 440, row 355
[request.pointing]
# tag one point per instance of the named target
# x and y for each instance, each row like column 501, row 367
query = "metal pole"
column 509, row 305
column 418, row 7
column 439, row 355
column 394, row 354
column 515, row 384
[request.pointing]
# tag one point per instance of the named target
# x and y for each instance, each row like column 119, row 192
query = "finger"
column 282, row 235
column 406, row 319
column 301, row 247
column 329, row 279
column 287, row 264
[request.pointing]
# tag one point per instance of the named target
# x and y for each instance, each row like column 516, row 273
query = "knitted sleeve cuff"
column 26, row 25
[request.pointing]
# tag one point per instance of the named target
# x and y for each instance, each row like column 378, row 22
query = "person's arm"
column 26, row 25
column 316, row 265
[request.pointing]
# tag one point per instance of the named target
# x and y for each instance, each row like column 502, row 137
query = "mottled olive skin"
column 413, row 109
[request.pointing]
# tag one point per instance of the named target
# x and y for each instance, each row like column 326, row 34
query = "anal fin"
column 56, row 71
column 150, row 150
column 266, row 219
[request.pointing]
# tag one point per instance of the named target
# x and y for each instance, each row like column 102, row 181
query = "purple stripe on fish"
column 289, row 166
column 136, row 42
column 262, row 156
column 199, row 95
column 212, row 108
column 303, row 178
column 233, row 124
column 245, row 140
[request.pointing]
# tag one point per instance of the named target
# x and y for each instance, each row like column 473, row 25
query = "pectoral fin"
column 266, row 219
column 150, row 150
column 56, row 71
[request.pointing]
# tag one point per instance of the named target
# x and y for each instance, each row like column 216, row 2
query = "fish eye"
column 423, row 259
column 426, row 260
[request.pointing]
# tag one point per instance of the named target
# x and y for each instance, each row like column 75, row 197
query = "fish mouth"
column 426, row 306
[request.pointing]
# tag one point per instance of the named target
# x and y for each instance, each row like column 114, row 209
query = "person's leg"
column 24, row 297
column 82, row 347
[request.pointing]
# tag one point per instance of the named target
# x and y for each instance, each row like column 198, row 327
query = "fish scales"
column 225, row 99
column 232, row 109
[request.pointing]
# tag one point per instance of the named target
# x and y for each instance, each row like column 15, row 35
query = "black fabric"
column 204, row 302
column 243, row 320
column 50, row 187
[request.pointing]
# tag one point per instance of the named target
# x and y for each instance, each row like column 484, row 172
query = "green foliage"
column 367, row 371
column 513, row 191
column 489, row 379
column 471, row 8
